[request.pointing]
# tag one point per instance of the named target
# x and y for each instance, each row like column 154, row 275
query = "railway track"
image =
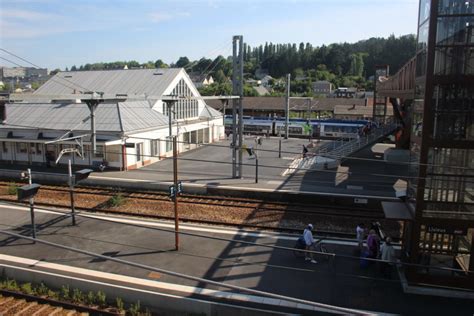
column 251, row 214
column 220, row 201
column 13, row 303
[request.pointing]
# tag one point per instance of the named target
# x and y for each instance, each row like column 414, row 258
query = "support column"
column 237, row 109
column 287, row 106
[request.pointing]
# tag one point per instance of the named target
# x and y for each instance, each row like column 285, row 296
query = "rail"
column 400, row 85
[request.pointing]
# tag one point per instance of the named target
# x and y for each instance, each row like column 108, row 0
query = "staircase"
column 331, row 154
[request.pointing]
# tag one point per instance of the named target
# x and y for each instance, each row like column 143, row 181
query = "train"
column 324, row 128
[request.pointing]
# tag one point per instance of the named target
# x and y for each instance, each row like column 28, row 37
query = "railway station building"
column 131, row 133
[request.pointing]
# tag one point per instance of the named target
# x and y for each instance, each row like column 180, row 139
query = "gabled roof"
column 130, row 81
column 122, row 117
column 209, row 112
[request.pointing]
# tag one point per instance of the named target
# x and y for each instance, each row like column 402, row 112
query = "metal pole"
column 240, row 84
column 287, row 107
column 32, row 207
column 175, row 178
column 256, row 168
column 170, row 119
column 71, row 193
column 279, row 147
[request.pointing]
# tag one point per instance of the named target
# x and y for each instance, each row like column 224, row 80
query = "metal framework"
column 440, row 81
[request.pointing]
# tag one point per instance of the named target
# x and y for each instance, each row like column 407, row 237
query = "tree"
column 220, row 77
column 160, row 64
column 55, row 71
column 182, row 61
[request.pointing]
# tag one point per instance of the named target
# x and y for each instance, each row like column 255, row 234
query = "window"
column 99, row 153
column 22, row 148
column 169, row 144
column 4, row 147
column 155, row 147
column 139, row 151
column 186, row 108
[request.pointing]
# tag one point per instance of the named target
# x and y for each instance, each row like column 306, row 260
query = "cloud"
column 159, row 17
column 25, row 15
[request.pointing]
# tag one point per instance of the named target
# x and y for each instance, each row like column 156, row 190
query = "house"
column 266, row 81
column 322, row 87
column 261, row 90
column 200, row 80
column 131, row 133
column 344, row 92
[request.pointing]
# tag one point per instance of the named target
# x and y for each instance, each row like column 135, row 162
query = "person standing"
column 373, row 244
column 309, row 241
column 388, row 256
column 360, row 235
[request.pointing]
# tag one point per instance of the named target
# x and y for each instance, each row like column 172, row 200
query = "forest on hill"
column 343, row 64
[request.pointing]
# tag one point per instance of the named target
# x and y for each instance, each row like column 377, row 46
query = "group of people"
column 370, row 246
column 374, row 249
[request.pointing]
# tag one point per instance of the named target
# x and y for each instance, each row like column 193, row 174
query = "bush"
column 77, row 296
column 101, row 298
column 116, row 200
column 11, row 285
column 42, row 289
column 27, row 289
column 12, row 189
column 90, row 299
column 119, row 304
column 134, row 309
column 65, row 293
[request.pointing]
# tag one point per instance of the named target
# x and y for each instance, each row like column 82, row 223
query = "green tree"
column 220, row 77
column 182, row 61
column 160, row 64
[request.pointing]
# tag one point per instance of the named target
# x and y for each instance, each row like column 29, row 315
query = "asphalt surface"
column 340, row 282
column 211, row 165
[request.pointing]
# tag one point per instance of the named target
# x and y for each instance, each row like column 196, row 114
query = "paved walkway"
column 209, row 165
column 341, row 282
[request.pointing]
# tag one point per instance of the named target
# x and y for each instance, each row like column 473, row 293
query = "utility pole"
column 287, row 107
column 71, row 193
column 237, row 109
column 92, row 105
column 175, row 182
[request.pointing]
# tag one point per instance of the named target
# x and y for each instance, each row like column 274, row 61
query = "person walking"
column 309, row 241
column 388, row 256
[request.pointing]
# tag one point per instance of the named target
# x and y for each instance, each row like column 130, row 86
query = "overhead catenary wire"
column 250, row 243
column 29, row 62
column 189, row 277
column 52, row 78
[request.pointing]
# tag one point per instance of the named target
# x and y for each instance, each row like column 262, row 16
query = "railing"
column 358, row 143
column 402, row 84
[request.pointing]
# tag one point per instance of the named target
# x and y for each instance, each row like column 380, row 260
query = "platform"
column 340, row 282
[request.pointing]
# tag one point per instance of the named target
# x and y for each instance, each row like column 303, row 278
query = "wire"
column 186, row 276
column 23, row 59
column 250, row 243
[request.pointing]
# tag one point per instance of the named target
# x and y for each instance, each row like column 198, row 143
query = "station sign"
column 446, row 230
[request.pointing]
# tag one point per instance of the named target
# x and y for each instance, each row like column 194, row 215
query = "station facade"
column 130, row 133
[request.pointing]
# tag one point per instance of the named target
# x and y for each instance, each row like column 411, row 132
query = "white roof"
column 121, row 117
column 122, row 81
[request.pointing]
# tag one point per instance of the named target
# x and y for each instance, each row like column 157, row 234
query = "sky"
column 62, row 33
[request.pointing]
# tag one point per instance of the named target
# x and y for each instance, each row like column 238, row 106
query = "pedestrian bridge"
column 330, row 155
